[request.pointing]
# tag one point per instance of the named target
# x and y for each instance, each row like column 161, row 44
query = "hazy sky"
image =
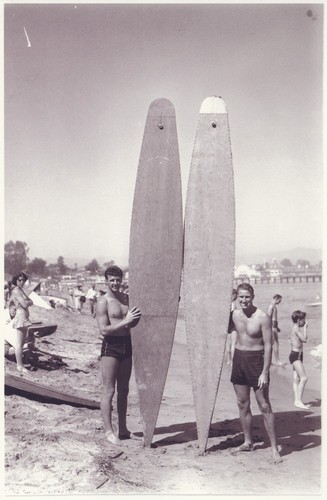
column 76, row 103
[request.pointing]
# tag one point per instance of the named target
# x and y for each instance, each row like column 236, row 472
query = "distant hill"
column 313, row 255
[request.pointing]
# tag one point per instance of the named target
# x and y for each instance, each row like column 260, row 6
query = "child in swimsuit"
column 296, row 338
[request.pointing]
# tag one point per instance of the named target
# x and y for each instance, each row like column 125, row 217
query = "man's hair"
column 19, row 275
column 277, row 296
column 298, row 315
column 113, row 271
column 246, row 286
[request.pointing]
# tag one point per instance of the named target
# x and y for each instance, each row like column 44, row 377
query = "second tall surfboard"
column 155, row 258
column 209, row 257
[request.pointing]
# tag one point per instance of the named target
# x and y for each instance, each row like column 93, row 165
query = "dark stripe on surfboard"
column 42, row 330
column 209, row 249
column 155, row 259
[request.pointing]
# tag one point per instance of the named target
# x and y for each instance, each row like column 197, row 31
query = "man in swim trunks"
column 251, row 364
column 272, row 312
column 115, row 320
column 296, row 338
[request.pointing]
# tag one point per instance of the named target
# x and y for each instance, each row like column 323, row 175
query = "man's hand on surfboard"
column 133, row 316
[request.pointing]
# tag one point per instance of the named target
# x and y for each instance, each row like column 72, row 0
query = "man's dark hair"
column 113, row 271
column 277, row 296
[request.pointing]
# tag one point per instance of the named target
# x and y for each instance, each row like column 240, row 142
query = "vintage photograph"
column 163, row 242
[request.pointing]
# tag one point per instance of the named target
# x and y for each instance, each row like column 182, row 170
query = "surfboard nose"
column 161, row 107
column 213, row 105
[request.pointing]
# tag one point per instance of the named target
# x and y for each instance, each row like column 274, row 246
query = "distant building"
column 245, row 271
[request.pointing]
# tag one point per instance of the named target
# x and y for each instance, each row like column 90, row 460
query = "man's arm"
column 267, row 343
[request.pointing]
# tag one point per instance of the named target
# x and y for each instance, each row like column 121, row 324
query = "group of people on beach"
column 253, row 333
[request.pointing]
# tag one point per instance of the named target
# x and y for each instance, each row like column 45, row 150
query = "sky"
column 76, row 102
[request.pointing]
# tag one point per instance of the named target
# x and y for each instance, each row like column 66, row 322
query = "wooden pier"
column 296, row 278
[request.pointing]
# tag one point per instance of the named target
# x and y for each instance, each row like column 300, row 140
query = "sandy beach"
column 60, row 449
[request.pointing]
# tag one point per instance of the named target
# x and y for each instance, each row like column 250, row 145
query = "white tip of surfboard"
column 214, row 105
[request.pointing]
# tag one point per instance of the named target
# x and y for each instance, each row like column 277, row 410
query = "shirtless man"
column 296, row 338
column 272, row 312
column 115, row 320
column 251, row 364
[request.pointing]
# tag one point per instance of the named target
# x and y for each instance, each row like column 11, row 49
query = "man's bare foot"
column 113, row 439
column 244, row 447
column 129, row 435
column 279, row 363
column 300, row 404
column 277, row 459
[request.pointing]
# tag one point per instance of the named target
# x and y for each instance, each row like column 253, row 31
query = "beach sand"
column 61, row 449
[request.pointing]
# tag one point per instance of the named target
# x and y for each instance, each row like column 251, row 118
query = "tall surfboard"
column 155, row 258
column 209, row 250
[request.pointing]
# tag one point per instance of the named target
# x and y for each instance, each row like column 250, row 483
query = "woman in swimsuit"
column 18, row 307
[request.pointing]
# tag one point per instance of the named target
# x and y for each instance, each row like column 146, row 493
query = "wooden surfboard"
column 209, row 252
column 23, row 385
column 155, row 258
column 42, row 330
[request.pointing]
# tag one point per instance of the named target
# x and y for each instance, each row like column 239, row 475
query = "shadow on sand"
column 295, row 431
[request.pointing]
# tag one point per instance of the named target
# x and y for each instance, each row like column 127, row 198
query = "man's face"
column 245, row 298
column 278, row 301
column 114, row 283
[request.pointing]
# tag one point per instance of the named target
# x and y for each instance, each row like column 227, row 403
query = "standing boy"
column 296, row 338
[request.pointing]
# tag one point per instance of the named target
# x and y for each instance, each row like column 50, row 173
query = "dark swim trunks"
column 247, row 368
column 118, row 347
column 295, row 356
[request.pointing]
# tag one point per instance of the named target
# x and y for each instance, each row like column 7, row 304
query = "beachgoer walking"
column 251, row 364
column 78, row 294
column 19, row 303
column 272, row 312
column 296, row 338
column 71, row 295
column 92, row 297
column 232, row 333
column 115, row 320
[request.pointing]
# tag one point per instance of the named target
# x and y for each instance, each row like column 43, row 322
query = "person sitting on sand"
column 115, row 320
column 232, row 333
column 251, row 364
column 19, row 303
column 272, row 312
column 296, row 338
